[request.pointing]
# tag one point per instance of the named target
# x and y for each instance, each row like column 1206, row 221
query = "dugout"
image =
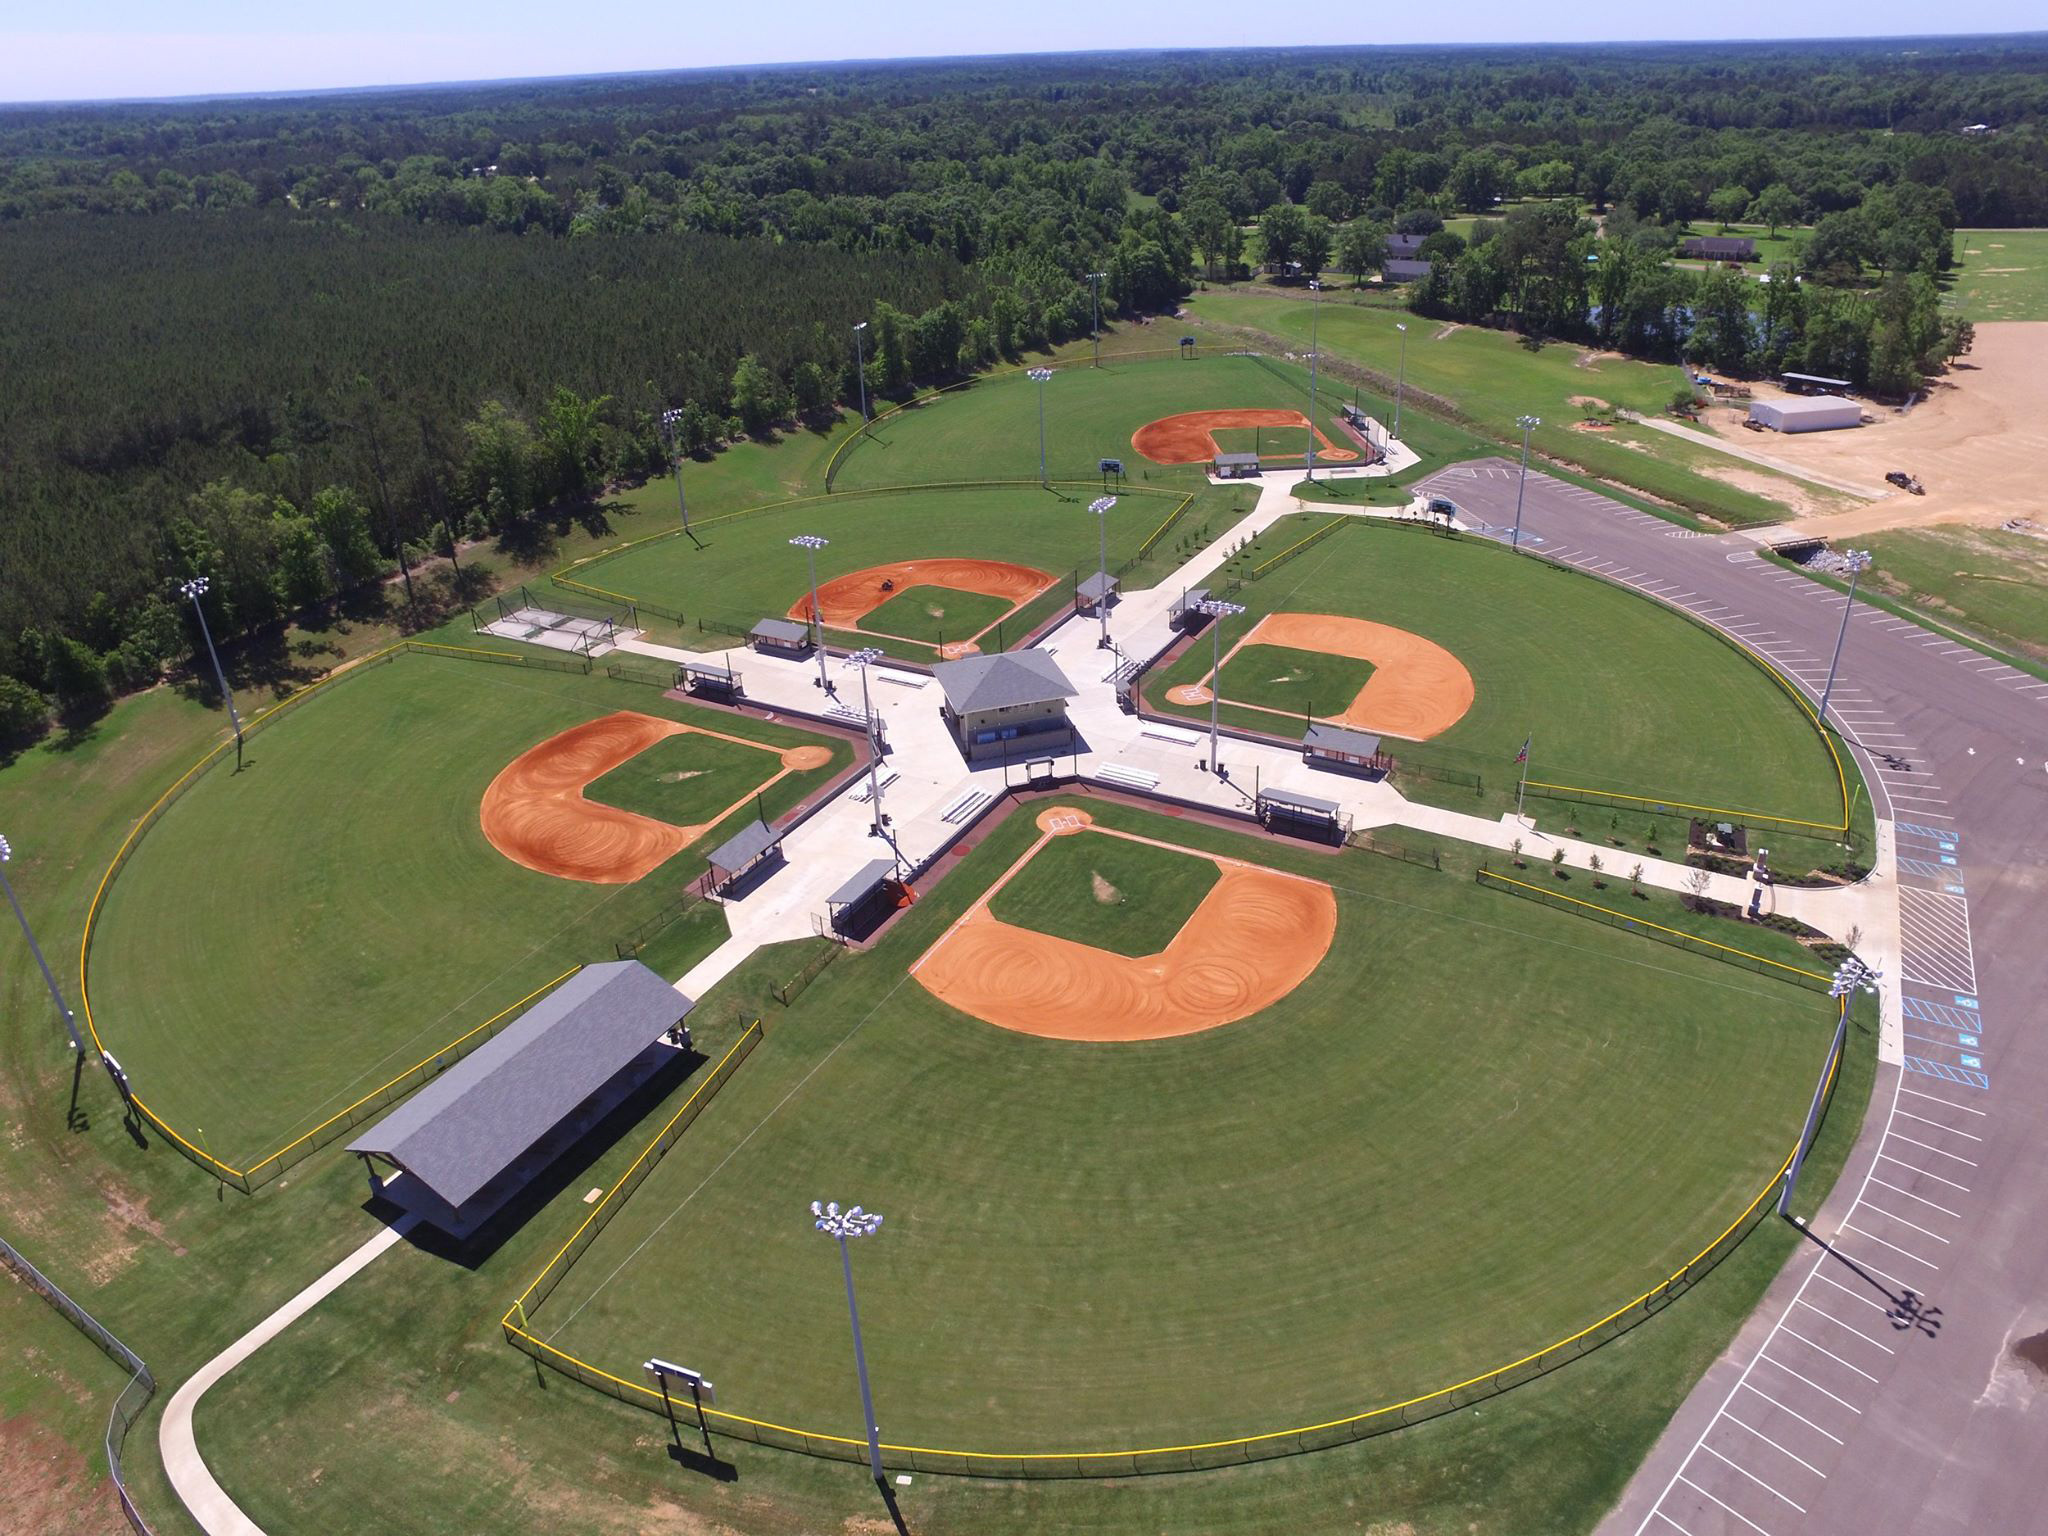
column 780, row 637
column 481, row 1132
column 709, row 677
column 1235, row 466
column 869, row 895
column 1187, row 613
column 1344, row 751
column 753, row 847
column 1298, row 815
column 1098, row 589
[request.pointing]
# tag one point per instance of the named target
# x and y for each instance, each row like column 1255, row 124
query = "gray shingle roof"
column 1095, row 584
column 745, row 846
column 1003, row 681
column 865, row 879
column 781, row 631
column 475, row 1120
column 1404, row 245
column 1193, row 598
column 1404, row 271
column 1336, row 738
column 1237, row 458
column 1294, row 802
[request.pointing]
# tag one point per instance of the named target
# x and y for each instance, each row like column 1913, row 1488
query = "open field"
column 356, row 945
column 1126, row 897
column 747, row 571
column 1981, row 580
column 988, row 430
column 1491, row 378
column 2002, row 274
column 1118, row 1148
column 1549, row 653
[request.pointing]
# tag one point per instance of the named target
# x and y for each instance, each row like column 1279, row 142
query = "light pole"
column 196, row 589
column 1400, row 377
column 842, row 1225
column 864, row 658
column 1095, row 324
column 1040, row 377
column 1858, row 561
column 1528, row 424
column 810, row 544
column 1851, row 976
column 1100, row 507
column 860, row 369
column 1315, row 314
column 1218, row 611
column 672, row 441
column 50, row 981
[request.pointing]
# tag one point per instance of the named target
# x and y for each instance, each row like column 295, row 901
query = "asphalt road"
column 1880, row 1387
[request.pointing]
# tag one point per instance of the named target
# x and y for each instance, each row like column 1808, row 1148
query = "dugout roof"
column 1336, row 738
column 744, row 846
column 476, row 1120
column 781, row 632
column 863, row 882
column 1097, row 584
column 1301, row 805
column 1236, row 460
column 1006, row 680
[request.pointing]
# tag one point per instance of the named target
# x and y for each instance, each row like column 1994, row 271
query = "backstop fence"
column 133, row 1397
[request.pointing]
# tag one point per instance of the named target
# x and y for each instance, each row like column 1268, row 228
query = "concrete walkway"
column 205, row 1499
column 1763, row 460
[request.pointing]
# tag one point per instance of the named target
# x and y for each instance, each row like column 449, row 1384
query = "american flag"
column 1523, row 755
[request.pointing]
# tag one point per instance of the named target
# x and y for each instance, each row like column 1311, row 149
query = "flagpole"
column 1522, row 788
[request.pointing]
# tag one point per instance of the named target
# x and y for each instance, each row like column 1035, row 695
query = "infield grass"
column 686, row 780
column 1618, row 695
column 933, row 614
column 1125, row 897
column 1298, row 683
column 259, row 962
column 1472, row 1078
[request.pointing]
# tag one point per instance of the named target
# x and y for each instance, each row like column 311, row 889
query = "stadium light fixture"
column 1315, row 314
column 1528, row 424
column 1041, row 377
column 196, row 589
column 1218, row 611
column 1858, row 561
column 842, row 1225
column 1851, row 976
column 865, row 658
column 1100, row 507
column 672, row 441
column 860, row 369
column 810, row 544
column 50, row 981
column 1095, row 324
column 1400, row 377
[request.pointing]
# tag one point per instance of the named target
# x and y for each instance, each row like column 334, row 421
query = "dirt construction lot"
column 1978, row 441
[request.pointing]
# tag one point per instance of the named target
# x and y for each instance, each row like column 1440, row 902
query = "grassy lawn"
column 2002, row 274
column 931, row 613
column 1130, row 898
column 257, row 966
column 1983, row 580
column 1490, row 378
column 746, row 569
column 1294, row 682
column 989, row 429
column 686, row 780
column 1618, row 694
column 1442, row 1124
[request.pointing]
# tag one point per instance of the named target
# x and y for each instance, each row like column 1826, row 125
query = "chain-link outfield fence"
column 134, row 1395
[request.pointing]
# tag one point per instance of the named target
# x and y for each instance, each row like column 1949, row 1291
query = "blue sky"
column 103, row 48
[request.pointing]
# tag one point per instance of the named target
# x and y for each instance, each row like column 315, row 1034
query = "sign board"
column 681, row 1378
column 1112, row 466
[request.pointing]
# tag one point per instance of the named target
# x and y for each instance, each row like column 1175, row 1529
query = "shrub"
column 24, row 713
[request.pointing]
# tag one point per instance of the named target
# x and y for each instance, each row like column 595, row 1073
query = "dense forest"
column 286, row 341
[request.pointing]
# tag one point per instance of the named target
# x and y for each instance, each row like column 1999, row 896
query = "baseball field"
column 1078, row 1231
column 260, row 962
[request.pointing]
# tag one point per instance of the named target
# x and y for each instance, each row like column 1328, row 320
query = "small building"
column 709, row 677
column 1281, row 810
column 1346, row 750
column 753, row 844
column 1814, row 384
column 1005, row 704
column 1404, row 271
column 1186, row 614
column 1814, row 413
column 780, row 637
column 868, row 896
column 1235, row 466
column 1096, row 588
column 478, row 1134
column 1718, row 248
column 1404, row 247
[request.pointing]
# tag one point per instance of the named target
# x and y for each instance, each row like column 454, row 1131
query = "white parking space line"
column 1895, row 1189
column 1738, row 1514
column 1895, row 1248
column 1949, row 1103
column 1895, row 1216
column 1907, row 1114
column 1810, row 1344
column 1802, row 1418
column 1823, row 1391
column 1929, row 1147
column 1767, row 1440
column 1767, row 1488
column 1847, row 1327
column 1855, row 1295
column 1951, row 1183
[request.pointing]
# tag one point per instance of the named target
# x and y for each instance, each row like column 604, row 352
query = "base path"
column 535, row 813
column 1186, row 439
column 205, row 1499
column 845, row 600
column 1256, row 937
column 1417, row 689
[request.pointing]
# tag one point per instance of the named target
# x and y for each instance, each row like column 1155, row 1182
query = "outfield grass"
column 745, row 569
column 1129, row 898
column 1618, row 695
column 1491, row 378
column 260, row 963
column 1298, row 683
column 989, row 429
column 1983, row 580
column 1493, row 1152
column 2002, row 275
column 686, row 780
column 931, row 614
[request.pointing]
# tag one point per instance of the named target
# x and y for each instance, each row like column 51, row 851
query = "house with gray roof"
column 1011, row 704
column 484, row 1129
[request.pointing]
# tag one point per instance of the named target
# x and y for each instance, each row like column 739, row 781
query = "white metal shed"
column 1811, row 413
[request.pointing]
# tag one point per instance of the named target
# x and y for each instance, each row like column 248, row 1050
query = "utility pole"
column 1858, row 561
column 1218, row 611
column 860, row 369
column 810, row 544
column 196, row 589
column 1400, row 378
column 1095, row 325
column 1100, row 507
column 1528, row 424
column 1315, row 287
column 672, row 441
column 50, row 981
column 1041, row 377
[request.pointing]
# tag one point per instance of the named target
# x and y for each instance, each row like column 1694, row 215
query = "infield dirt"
column 1186, row 439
